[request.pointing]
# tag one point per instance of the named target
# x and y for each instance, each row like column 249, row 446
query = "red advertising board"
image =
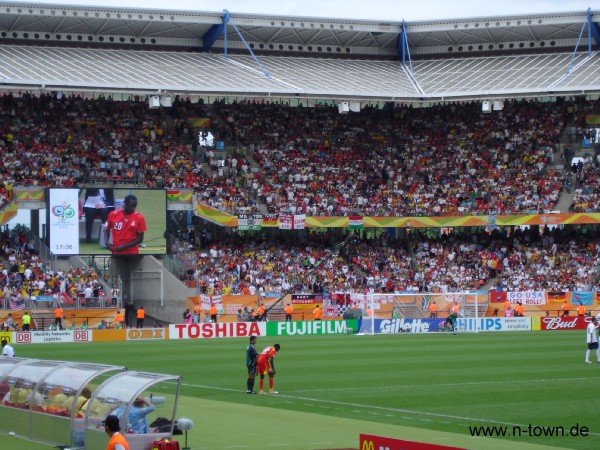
column 565, row 323
column 370, row 442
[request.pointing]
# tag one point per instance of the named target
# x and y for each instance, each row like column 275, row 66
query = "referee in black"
column 251, row 357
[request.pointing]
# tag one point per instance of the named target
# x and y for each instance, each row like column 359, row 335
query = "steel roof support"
column 210, row 37
column 593, row 30
column 404, row 52
column 227, row 19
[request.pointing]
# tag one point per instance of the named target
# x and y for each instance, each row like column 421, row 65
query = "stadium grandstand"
column 302, row 155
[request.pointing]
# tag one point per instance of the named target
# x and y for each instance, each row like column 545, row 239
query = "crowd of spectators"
column 585, row 176
column 47, row 141
column 558, row 261
column 442, row 160
column 23, row 274
column 524, row 260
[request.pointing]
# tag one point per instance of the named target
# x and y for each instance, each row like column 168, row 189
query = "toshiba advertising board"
column 217, row 330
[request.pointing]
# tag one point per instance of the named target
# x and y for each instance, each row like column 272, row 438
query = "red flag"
column 497, row 297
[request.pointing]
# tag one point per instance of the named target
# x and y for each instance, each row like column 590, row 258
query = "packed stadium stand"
column 330, row 119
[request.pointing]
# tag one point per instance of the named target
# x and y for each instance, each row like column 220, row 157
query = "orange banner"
column 231, row 303
column 229, row 220
column 108, row 335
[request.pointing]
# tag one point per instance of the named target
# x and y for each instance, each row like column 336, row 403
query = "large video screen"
column 105, row 221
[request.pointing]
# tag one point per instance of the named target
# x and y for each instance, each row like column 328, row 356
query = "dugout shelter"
column 65, row 403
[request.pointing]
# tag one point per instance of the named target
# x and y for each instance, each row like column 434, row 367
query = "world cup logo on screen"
column 63, row 211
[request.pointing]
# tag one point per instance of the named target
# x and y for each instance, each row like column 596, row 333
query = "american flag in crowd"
column 15, row 304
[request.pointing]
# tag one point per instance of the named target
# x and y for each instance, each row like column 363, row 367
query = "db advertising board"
column 47, row 337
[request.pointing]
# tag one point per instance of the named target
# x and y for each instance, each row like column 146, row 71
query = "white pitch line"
column 398, row 410
column 466, row 383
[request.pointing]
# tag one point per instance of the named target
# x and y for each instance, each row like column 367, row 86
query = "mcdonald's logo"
column 372, row 442
column 367, row 445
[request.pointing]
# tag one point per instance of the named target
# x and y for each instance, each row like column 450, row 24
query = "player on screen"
column 127, row 227
column 265, row 364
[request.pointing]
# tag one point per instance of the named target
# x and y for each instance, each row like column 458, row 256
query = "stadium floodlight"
column 343, row 107
column 206, row 139
column 154, row 102
column 166, row 100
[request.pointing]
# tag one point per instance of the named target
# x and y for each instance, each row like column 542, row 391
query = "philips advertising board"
column 494, row 324
column 408, row 325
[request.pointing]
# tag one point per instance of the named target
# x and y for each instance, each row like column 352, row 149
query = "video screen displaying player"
column 125, row 228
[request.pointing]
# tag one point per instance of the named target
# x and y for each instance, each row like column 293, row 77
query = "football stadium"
column 387, row 231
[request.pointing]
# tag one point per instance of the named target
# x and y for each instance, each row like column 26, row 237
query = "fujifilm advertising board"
column 302, row 328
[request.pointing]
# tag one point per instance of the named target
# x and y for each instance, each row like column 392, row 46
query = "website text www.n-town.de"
column 576, row 430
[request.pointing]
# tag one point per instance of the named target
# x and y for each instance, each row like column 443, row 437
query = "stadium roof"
column 208, row 53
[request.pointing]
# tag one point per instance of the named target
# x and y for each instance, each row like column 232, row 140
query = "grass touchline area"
column 432, row 387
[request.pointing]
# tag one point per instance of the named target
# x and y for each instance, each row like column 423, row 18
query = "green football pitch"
column 436, row 388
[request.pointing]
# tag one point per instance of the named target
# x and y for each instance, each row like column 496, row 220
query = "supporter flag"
column 497, row 297
column 558, row 297
column 270, row 220
column 307, row 301
column 491, row 223
column 208, row 300
column 592, row 119
column 65, row 298
column 286, row 222
column 199, row 122
column 16, row 304
column 299, row 221
column 425, row 301
column 585, row 298
column 292, row 221
column 250, row 222
column 341, row 309
column 356, row 222
column 172, row 195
